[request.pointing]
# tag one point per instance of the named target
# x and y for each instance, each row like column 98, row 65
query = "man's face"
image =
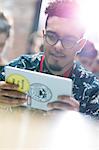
column 3, row 38
column 60, row 56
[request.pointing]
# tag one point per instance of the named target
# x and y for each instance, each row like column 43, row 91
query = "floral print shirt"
column 85, row 84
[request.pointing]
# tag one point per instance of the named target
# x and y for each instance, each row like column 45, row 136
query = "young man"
column 63, row 37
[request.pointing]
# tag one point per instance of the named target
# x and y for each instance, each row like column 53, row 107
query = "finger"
column 61, row 106
column 69, row 100
column 55, row 112
column 12, row 102
column 13, row 94
column 4, row 85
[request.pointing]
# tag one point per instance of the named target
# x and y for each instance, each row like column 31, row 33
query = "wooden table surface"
column 24, row 129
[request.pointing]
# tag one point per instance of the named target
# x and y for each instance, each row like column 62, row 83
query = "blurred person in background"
column 36, row 42
column 87, row 55
column 4, row 35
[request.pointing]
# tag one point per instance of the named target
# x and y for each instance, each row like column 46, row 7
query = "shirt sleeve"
column 90, row 99
column 92, row 107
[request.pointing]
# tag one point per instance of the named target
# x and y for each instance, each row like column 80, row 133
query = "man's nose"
column 59, row 44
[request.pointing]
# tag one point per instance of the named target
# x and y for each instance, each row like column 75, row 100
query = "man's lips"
column 56, row 55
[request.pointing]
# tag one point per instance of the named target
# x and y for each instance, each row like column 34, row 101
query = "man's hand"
column 64, row 103
column 10, row 96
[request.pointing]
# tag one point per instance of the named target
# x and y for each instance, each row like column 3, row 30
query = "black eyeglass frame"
column 61, row 39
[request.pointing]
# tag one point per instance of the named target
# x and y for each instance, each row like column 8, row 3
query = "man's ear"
column 43, row 33
column 43, row 40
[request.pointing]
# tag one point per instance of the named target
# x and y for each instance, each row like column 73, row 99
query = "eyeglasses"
column 67, row 41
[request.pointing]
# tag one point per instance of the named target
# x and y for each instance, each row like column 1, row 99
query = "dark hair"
column 88, row 50
column 4, row 25
column 63, row 8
